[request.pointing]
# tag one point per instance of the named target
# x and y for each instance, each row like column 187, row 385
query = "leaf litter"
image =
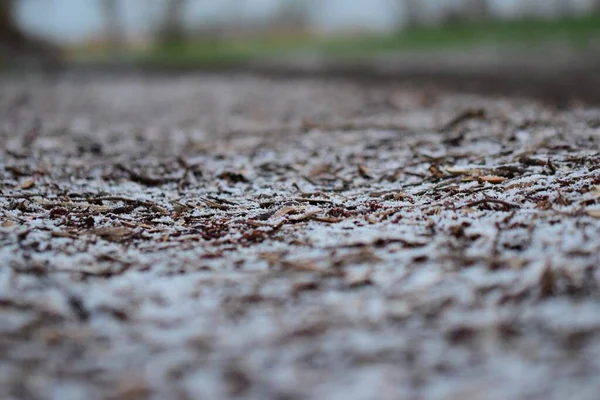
column 167, row 238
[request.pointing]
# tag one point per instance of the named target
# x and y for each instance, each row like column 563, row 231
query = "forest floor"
column 228, row 236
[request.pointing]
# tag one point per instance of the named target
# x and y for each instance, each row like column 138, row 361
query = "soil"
column 227, row 236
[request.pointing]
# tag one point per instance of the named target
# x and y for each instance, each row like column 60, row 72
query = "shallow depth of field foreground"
column 212, row 237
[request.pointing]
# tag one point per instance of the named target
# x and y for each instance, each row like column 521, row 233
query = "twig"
column 149, row 204
column 463, row 117
column 314, row 201
column 488, row 200
column 145, row 180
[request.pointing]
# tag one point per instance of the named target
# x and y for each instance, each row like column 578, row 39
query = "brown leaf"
column 285, row 211
column 494, row 179
column 435, row 171
column 363, row 172
column 306, row 215
column 593, row 213
column 215, row 204
column 28, row 184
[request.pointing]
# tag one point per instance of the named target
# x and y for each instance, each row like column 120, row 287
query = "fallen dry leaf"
column 331, row 220
column 28, row 184
column 435, row 171
column 462, row 170
column 593, row 213
column 306, row 215
column 286, row 210
column 364, row 172
column 494, row 179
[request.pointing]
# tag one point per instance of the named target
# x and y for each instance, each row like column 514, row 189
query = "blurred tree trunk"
column 564, row 8
column 292, row 15
column 10, row 34
column 477, row 9
column 173, row 25
column 113, row 27
column 413, row 11
column 20, row 48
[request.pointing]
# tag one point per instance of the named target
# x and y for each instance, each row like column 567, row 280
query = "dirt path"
column 232, row 237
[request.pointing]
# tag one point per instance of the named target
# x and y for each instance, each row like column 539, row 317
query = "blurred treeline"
column 169, row 23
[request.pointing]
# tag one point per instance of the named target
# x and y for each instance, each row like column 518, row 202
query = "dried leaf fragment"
column 493, row 179
column 594, row 213
column 435, row 171
column 28, row 184
column 285, row 211
column 455, row 170
column 215, row 204
column 364, row 172
column 331, row 220
column 306, row 215
column 113, row 234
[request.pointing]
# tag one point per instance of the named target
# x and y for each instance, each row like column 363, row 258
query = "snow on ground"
column 234, row 237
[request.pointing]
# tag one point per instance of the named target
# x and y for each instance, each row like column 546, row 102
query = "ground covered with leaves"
column 235, row 237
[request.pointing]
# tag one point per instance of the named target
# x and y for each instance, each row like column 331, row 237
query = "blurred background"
column 201, row 31
column 407, row 37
